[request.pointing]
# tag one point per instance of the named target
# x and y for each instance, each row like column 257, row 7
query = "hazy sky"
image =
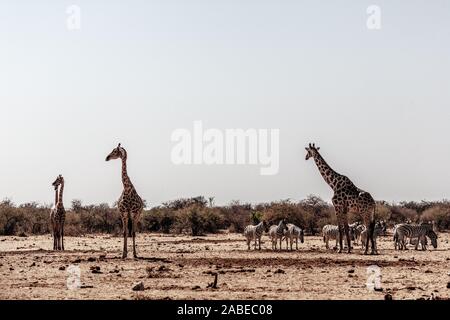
column 377, row 102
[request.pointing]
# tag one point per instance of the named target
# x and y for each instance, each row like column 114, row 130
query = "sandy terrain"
column 181, row 267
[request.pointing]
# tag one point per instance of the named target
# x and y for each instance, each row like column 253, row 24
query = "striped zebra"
column 331, row 232
column 416, row 231
column 255, row 233
column 356, row 228
column 413, row 241
column 276, row 232
column 379, row 230
column 294, row 233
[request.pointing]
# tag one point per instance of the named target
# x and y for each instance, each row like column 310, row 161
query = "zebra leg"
column 417, row 243
column 248, row 243
column 255, row 242
column 281, row 240
column 259, row 242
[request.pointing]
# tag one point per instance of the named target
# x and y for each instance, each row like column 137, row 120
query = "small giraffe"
column 58, row 215
column 130, row 203
column 347, row 198
column 52, row 218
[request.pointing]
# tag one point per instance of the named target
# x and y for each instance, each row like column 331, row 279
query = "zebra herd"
column 417, row 233
column 282, row 231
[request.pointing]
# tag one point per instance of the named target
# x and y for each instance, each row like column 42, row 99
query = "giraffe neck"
column 56, row 196
column 328, row 174
column 125, row 179
column 61, row 191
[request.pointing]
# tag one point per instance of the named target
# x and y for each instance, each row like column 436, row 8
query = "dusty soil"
column 182, row 267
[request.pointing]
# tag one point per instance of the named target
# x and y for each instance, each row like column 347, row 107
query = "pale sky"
column 377, row 102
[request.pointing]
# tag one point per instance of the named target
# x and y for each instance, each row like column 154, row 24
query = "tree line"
column 199, row 215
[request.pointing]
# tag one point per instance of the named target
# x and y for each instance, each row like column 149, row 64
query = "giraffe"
column 347, row 198
column 59, row 215
column 130, row 203
column 52, row 218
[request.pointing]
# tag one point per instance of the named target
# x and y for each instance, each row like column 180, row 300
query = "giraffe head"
column 118, row 152
column 311, row 151
column 59, row 180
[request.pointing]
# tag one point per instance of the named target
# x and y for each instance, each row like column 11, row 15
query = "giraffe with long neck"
column 347, row 198
column 58, row 214
column 130, row 203
column 52, row 218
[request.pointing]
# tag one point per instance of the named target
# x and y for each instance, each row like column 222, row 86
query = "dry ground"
column 181, row 267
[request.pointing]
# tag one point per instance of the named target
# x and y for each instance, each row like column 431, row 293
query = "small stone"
column 351, row 271
column 280, row 271
column 62, row 268
column 448, row 285
column 138, row 287
column 388, row 296
column 91, row 259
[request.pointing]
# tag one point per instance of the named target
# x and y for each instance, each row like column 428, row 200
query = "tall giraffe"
column 59, row 215
column 130, row 203
column 347, row 198
column 52, row 218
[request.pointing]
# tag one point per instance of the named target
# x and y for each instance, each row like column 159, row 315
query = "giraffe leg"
column 368, row 227
column 125, row 234
column 349, row 244
column 62, row 237
column 372, row 239
column 54, row 238
column 133, row 232
column 340, row 238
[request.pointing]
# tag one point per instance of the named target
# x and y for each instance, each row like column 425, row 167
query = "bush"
column 198, row 216
column 198, row 220
column 440, row 215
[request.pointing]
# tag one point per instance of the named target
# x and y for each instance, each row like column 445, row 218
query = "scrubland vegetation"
column 197, row 216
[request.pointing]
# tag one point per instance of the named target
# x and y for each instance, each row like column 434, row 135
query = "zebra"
column 330, row 231
column 294, row 232
column 418, row 231
column 276, row 232
column 255, row 233
column 380, row 229
column 356, row 228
